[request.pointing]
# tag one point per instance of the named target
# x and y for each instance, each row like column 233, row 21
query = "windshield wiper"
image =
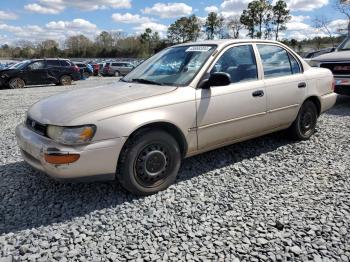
column 146, row 81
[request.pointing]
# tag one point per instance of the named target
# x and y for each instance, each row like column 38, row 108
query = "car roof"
column 224, row 42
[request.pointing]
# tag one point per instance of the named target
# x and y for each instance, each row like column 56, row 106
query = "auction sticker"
column 198, row 48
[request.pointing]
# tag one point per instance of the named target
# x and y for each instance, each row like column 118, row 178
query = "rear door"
column 54, row 70
column 285, row 84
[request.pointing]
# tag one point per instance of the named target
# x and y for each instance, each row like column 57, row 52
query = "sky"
column 37, row 20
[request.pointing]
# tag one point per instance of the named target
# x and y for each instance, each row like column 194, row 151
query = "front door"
column 36, row 73
column 228, row 113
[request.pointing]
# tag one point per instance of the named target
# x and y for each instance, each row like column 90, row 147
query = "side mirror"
column 333, row 49
column 216, row 79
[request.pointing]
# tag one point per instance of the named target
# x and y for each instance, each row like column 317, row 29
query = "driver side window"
column 37, row 65
column 239, row 62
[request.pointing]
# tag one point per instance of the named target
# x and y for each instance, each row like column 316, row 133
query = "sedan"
column 183, row 101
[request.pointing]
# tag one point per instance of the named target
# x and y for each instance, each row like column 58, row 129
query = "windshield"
column 345, row 45
column 20, row 65
column 175, row 66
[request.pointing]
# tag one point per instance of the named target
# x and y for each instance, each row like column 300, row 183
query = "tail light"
column 333, row 85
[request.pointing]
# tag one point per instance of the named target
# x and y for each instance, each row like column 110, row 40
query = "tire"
column 149, row 162
column 65, row 80
column 86, row 75
column 117, row 74
column 16, row 83
column 305, row 124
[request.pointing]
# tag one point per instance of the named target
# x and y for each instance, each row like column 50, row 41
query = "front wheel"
column 149, row 162
column 305, row 124
column 16, row 83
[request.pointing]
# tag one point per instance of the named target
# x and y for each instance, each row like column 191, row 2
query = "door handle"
column 258, row 93
column 302, row 85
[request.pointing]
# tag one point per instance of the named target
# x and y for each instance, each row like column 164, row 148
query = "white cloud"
column 57, row 6
column 128, row 18
column 306, row 5
column 55, row 30
column 297, row 23
column 156, row 27
column 233, row 7
column 169, row 10
column 7, row 15
column 211, row 8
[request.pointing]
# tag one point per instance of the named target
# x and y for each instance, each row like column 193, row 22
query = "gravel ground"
column 268, row 199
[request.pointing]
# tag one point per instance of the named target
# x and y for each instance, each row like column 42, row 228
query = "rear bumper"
column 328, row 101
column 97, row 160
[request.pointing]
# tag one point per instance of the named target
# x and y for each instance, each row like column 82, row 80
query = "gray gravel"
column 268, row 199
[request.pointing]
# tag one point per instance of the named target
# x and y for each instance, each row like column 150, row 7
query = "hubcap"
column 307, row 122
column 151, row 165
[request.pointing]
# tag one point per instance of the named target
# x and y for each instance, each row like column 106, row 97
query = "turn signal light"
column 58, row 159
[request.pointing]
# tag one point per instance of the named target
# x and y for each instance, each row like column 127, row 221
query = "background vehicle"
column 39, row 72
column 316, row 53
column 85, row 72
column 339, row 63
column 183, row 101
column 117, row 68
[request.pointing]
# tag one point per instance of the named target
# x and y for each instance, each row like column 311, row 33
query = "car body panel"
column 207, row 118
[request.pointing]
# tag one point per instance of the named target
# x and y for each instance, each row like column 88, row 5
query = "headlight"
column 71, row 135
column 314, row 63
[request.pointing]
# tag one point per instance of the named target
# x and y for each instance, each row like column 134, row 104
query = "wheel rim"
column 16, row 83
column 152, row 165
column 307, row 122
column 66, row 80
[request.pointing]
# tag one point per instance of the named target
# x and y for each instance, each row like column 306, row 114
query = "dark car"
column 85, row 72
column 39, row 72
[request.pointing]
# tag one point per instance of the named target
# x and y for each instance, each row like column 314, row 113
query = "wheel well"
column 317, row 103
column 170, row 129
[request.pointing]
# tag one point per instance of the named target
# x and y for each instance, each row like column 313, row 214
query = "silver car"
column 117, row 68
column 183, row 101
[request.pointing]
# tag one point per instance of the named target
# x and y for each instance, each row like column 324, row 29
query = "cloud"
column 57, row 6
column 156, row 27
column 169, row 10
column 306, row 5
column 55, row 30
column 211, row 8
column 233, row 7
column 128, row 18
column 7, row 15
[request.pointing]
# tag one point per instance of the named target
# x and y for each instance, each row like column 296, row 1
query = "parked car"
column 339, row 63
column 96, row 69
column 117, row 68
column 220, row 92
column 39, row 72
column 85, row 72
column 316, row 53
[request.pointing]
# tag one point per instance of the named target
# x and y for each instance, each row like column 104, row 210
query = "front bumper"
column 97, row 160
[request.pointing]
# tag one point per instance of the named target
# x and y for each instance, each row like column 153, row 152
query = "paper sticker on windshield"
column 198, row 48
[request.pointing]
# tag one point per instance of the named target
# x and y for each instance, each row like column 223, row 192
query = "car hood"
column 63, row 108
column 334, row 56
column 10, row 71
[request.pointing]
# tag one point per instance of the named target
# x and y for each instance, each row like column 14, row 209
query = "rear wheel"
column 16, row 83
column 65, row 80
column 149, row 162
column 305, row 124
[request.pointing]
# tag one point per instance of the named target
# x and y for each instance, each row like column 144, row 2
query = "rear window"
column 65, row 63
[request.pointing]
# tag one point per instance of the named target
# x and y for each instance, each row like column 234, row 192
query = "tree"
column 213, row 25
column 184, row 29
column 48, row 48
column 78, row 46
column 343, row 6
column 150, row 41
column 257, row 14
column 293, row 43
column 322, row 23
column 234, row 24
column 280, row 17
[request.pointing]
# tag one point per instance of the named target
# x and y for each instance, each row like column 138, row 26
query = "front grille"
column 36, row 126
column 338, row 68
